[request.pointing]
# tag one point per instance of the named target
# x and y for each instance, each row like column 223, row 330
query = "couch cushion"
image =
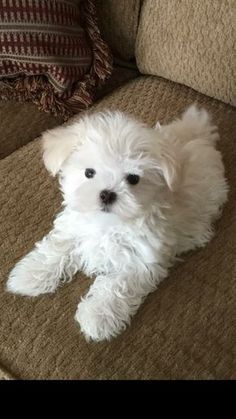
column 191, row 42
column 183, row 330
column 118, row 23
column 21, row 123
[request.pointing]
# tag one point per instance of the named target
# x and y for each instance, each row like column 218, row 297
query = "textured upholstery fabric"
column 4, row 375
column 21, row 123
column 190, row 42
column 118, row 22
column 183, row 330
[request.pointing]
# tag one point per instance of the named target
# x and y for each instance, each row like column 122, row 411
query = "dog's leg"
column 112, row 300
column 41, row 271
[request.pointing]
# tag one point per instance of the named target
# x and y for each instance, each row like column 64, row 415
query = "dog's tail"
column 194, row 124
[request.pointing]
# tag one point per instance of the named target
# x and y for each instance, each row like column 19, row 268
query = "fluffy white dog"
column 134, row 199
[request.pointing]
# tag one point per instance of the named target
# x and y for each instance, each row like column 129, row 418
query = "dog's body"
column 135, row 198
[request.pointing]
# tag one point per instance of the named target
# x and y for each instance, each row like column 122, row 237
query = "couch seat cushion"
column 21, row 123
column 184, row 330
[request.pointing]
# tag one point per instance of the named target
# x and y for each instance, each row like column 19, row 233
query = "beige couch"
column 186, row 329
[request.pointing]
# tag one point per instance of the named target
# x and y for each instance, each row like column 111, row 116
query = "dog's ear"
column 59, row 143
column 167, row 162
column 169, row 165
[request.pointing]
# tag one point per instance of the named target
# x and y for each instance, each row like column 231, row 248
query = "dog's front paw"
column 25, row 280
column 97, row 321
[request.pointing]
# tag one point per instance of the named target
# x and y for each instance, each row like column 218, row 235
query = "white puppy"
column 134, row 199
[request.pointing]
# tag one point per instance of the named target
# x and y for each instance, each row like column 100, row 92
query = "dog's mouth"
column 106, row 208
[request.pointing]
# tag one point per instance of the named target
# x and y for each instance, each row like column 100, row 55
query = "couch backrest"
column 118, row 22
column 190, row 42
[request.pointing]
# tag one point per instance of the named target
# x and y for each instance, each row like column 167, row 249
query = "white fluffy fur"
column 129, row 248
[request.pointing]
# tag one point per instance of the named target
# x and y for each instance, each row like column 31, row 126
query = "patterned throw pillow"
column 51, row 53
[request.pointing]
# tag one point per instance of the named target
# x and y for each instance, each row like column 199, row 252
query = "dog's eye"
column 89, row 173
column 132, row 179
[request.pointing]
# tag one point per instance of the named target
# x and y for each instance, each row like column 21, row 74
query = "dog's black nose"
column 107, row 197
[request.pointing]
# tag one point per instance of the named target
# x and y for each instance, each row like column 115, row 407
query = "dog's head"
column 110, row 162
